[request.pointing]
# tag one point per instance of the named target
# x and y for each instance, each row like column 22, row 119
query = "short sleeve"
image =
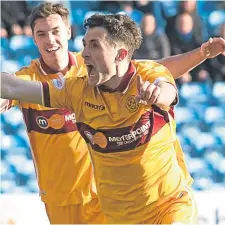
column 63, row 93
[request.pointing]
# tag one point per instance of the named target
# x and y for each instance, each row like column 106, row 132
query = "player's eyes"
column 55, row 32
column 94, row 45
column 40, row 34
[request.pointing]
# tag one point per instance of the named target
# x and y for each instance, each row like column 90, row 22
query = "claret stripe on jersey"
column 125, row 138
column 55, row 121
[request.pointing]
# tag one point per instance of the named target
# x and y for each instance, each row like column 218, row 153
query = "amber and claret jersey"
column 132, row 146
column 62, row 163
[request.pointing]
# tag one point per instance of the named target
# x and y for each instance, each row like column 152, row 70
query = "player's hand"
column 213, row 47
column 147, row 93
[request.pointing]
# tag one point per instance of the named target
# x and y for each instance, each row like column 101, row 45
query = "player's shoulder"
column 147, row 68
column 69, row 82
column 28, row 72
column 149, row 64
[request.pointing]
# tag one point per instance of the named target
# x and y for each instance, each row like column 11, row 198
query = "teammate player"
column 60, row 155
column 136, row 169
column 64, row 197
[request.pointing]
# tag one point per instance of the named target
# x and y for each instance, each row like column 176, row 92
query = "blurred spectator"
column 110, row 6
column 217, row 65
column 186, row 78
column 155, row 44
column 220, row 5
column 183, row 40
column 198, row 26
column 128, row 8
column 15, row 17
column 4, row 32
column 152, row 7
column 144, row 6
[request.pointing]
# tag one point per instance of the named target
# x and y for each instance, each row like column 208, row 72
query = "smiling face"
column 100, row 57
column 51, row 36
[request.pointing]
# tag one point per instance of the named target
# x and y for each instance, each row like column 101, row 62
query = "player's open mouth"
column 89, row 69
column 54, row 49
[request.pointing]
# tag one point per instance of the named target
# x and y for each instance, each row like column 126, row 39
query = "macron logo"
column 97, row 107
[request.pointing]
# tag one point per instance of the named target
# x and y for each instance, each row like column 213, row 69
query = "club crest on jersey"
column 131, row 104
column 98, row 139
column 59, row 83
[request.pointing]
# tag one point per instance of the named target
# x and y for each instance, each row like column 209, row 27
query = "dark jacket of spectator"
column 198, row 28
column 155, row 43
column 184, row 40
column 14, row 13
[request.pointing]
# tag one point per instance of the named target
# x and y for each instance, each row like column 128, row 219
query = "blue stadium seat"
column 5, row 48
column 19, row 42
column 78, row 16
column 7, row 186
column 79, row 9
column 214, row 114
column 219, row 91
column 203, row 183
column 205, row 8
column 218, row 129
column 184, row 115
column 14, row 117
column 214, row 159
column 203, row 140
column 9, row 141
column 221, row 166
column 6, row 171
column 196, row 92
column 135, row 15
column 71, row 46
column 20, row 190
column 4, row 43
column 216, row 18
column 170, row 8
column 10, row 66
column 198, row 167
column 190, row 131
column 78, row 44
column 33, row 186
column 16, row 162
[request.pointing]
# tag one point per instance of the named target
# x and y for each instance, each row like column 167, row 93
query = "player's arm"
column 161, row 94
column 180, row 64
column 14, row 88
column 6, row 104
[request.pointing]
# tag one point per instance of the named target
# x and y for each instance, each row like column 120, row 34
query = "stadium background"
column 200, row 114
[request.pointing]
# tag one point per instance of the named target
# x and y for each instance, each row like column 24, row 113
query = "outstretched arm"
column 17, row 89
column 183, row 63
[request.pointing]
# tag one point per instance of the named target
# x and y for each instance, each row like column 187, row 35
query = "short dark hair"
column 46, row 9
column 120, row 27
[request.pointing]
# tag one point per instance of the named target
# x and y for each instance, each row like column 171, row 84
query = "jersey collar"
column 46, row 70
column 124, row 85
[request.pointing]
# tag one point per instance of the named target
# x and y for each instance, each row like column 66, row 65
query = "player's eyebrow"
column 42, row 31
column 91, row 41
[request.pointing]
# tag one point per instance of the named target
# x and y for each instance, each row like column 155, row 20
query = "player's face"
column 51, row 36
column 99, row 56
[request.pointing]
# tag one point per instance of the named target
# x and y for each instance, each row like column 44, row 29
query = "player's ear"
column 122, row 54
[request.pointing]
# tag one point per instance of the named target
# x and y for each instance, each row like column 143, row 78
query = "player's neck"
column 56, row 67
column 115, row 81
